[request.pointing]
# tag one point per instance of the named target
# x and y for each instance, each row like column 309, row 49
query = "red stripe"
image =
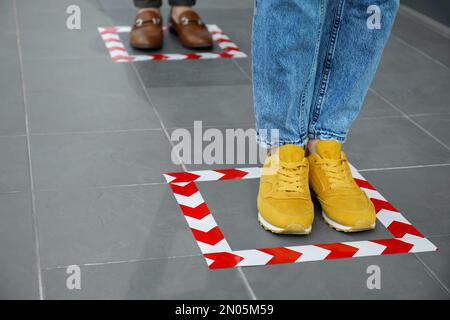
column 232, row 174
column 381, row 204
column 117, row 48
column 394, row 246
column 212, row 237
column 223, row 259
column 364, row 184
column 158, row 57
column 187, row 190
column 113, row 40
column 183, row 176
column 281, row 255
column 193, row 56
column 198, row 212
column 399, row 229
column 225, row 55
column 223, row 41
column 338, row 250
column 111, row 30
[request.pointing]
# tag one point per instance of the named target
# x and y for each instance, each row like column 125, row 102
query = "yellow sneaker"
column 345, row 207
column 284, row 200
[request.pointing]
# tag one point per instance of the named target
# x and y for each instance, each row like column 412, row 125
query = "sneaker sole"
column 290, row 229
column 339, row 227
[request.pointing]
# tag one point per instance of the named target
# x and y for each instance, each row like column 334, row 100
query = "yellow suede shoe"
column 345, row 207
column 284, row 200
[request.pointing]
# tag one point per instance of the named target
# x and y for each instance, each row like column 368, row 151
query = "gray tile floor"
column 83, row 144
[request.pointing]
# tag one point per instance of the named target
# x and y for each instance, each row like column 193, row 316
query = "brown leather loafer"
column 147, row 31
column 191, row 31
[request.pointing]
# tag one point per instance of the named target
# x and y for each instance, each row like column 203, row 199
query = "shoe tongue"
column 329, row 149
column 291, row 153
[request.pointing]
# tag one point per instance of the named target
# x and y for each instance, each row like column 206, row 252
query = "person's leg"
column 188, row 26
column 348, row 59
column 349, row 55
column 145, row 4
column 286, row 38
column 179, row 6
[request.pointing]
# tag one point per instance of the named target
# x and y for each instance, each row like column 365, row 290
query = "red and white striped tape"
column 119, row 53
column 218, row 253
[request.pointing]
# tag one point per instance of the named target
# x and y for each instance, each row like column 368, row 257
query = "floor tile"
column 18, row 276
column 399, row 58
column 116, row 4
column 413, row 87
column 181, row 278
column 12, row 116
column 383, row 143
column 111, row 224
column 219, row 4
column 10, row 80
column 233, row 205
column 75, row 112
column 437, row 125
column 439, row 261
column 212, row 72
column 100, row 159
column 71, row 44
column 14, row 164
column 402, row 277
column 420, row 194
column 9, row 45
column 214, row 105
column 374, row 107
column 82, row 77
column 421, row 37
column 7, row 20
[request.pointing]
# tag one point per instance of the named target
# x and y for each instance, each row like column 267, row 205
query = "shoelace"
column 334, row 170
column 290, row 176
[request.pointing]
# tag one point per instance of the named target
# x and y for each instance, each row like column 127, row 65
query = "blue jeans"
column 313, row 62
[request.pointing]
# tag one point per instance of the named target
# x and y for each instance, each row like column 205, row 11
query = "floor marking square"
column 119, row 53
column 218, row 253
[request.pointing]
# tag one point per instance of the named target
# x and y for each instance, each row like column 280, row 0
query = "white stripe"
column 420, row 244
column 111, row 36
column 373, row 194
column 123, row 29
column 386, row 217
column 205, row 224
column 355, row 173
column 118, row 53
column 114, row 44
column 213, row 28
column 221, row 246
column 310, row 253
column 193, row 201
column 253, row 258
column 367, row 248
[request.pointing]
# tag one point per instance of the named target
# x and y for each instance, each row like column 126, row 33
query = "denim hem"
column 327, row 135
column 263, row 143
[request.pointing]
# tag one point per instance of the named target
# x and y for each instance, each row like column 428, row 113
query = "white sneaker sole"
column 290, row 229
column 343, row 228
